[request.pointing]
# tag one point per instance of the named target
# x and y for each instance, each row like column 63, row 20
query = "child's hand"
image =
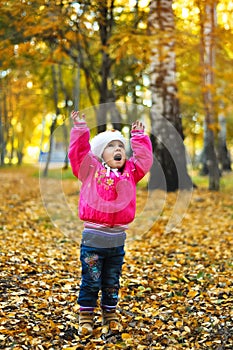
column 138, row 125
column 77, row 120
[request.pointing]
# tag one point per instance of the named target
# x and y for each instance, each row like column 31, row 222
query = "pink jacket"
column 108, row 198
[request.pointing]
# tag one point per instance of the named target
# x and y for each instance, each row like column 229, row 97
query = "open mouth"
column 117, row 157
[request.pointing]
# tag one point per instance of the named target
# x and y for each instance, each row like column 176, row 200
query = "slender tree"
column 2, row 128
column 208, row 21
column 54, row 119
column 169, row 171
column 223, row 152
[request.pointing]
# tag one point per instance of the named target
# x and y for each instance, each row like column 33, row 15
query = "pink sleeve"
column 142, row 153
column 79, row 149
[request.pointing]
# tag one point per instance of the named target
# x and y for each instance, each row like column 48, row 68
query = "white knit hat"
column 100, row 141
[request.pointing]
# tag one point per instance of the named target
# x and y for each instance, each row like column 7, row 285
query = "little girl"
column 107, row 204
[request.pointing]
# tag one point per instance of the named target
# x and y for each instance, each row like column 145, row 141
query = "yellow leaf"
column 185, row 279
column 192, row 293
column 173, row 278
column 179, row 324
column 125, row 336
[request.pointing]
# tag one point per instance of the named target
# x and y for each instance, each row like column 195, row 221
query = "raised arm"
column 142, row 150
column 79, row 146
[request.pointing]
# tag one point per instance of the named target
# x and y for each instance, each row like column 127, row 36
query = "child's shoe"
column 86, row 322
column 110, row 321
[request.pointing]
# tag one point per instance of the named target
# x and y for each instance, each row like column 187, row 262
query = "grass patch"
column 64, row 174
column 202, row 182
column 226, row 182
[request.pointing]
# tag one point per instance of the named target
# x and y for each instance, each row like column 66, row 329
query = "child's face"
column 114, row 154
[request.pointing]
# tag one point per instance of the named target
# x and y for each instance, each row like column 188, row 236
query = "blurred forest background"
column 172, row 58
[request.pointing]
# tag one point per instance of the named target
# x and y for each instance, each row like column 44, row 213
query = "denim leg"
column 92, row 264
column 111, row 273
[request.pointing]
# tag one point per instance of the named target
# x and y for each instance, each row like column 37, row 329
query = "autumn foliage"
column 177, row 287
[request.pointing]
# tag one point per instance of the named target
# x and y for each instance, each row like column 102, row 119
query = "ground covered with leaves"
column 177, row 286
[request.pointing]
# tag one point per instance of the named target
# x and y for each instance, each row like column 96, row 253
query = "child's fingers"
column 77, row 120
column 141, row 125
column 74, row 114
column 138, row 125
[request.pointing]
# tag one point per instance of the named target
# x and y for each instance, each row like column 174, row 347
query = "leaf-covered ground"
column 177, row 286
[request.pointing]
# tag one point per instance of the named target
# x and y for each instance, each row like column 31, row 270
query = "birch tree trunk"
column 207, row 24
column 169, row 171
column 223, row 153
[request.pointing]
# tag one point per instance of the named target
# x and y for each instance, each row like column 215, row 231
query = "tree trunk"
column 169, row 171
column 223, row 153
column 103, row 22
column 203, row 160
column 2, row 139
column 107, row 94
column 5, row 125
column 212, row 162
column 12, row 145
column 207, row 25
column 54, row 121
column 76, row 107
column 77, row 87
column 102, row 82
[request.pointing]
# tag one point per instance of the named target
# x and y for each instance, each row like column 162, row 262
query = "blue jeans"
column 101, row 270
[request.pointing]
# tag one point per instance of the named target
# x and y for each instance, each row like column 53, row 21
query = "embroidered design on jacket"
column 108, row 182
